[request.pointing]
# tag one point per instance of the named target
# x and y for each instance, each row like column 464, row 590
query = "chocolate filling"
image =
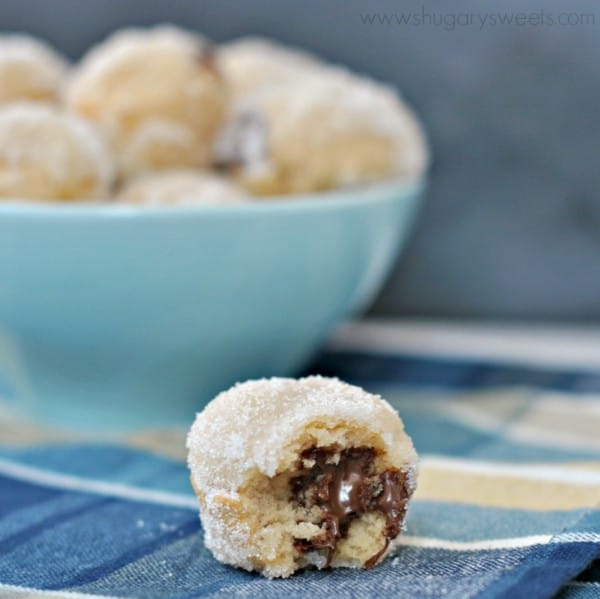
column 345, row 491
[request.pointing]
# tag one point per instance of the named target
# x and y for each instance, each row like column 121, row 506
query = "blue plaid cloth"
column 508, row 503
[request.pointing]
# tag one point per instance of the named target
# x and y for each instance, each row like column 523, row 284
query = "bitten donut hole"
column 298, row 473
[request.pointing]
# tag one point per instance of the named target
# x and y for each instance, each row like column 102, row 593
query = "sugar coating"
column 251, row 63
column 181, row 187
column 156, row 93
column 329, row 128
column 244, row 446
column 48, row 154
column 29, row 70
column 260, row 417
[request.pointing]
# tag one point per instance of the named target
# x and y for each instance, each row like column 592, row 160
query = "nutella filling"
column 346, row 490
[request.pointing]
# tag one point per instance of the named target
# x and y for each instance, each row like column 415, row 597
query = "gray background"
column 511, row 225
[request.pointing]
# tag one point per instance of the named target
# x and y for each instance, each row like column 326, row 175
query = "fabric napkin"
column 508, row 503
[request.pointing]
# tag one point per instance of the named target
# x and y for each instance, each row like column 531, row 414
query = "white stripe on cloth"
column 539, row 345
column 577, row 537
column 510, row 543
column 535, row 471
column 10, row 591
column 48, row 478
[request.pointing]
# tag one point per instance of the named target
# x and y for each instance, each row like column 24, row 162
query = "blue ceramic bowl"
column 128, row 316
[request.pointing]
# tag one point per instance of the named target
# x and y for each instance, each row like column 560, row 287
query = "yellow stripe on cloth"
column 539, row 487
column 543, row 419
column 16, row 431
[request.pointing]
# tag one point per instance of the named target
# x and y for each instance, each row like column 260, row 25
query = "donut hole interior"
column 337, row 502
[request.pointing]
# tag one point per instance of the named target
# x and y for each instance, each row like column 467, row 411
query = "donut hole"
column 157, row 96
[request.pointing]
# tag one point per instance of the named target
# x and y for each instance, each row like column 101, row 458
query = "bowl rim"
column 332, row 199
